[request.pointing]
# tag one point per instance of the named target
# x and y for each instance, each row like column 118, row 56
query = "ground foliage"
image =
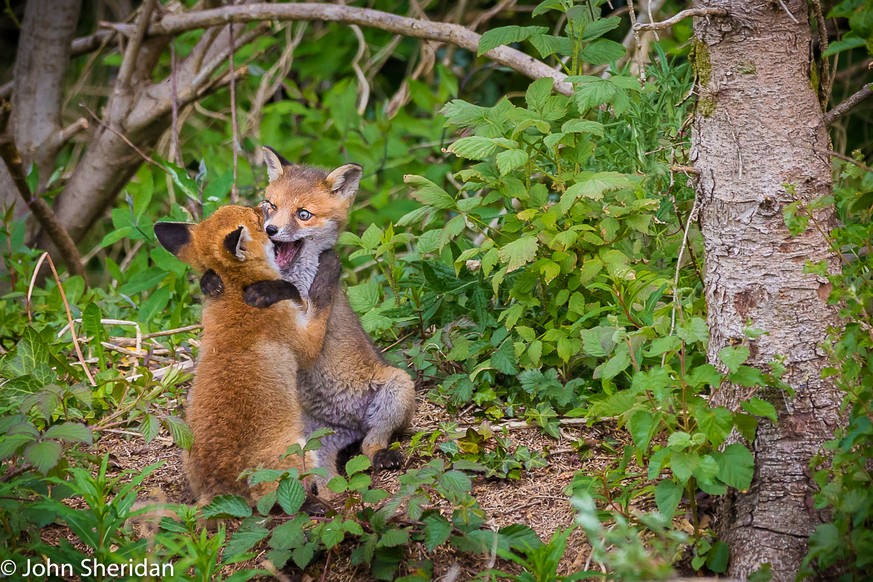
column 528, row 255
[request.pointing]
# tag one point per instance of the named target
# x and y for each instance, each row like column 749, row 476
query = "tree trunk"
column 759, row 139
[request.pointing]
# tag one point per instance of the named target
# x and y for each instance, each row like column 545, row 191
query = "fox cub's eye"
column 304, row 214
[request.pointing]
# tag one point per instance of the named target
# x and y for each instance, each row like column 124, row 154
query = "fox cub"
column 243, row 409
column 349, row 387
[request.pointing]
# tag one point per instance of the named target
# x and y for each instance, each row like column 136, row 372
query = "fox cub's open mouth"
column 286, row 252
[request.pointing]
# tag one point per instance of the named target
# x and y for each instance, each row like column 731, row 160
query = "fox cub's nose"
column 272, row 229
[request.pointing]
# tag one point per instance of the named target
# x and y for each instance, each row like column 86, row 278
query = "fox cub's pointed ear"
column 344, row 180
column 174, row 236
column 275, row 163
column 235, row 242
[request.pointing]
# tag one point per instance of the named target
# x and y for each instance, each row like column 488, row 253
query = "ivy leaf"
column 762, row 408
column 668, row 494
column 507, row 35
column 70, row 431
column 224, row 506
column 519, row 252
column 43, row 455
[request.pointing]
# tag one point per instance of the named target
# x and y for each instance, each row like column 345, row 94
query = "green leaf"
column 429, row 193
column 510, row 160
column 614, row 366
column 519, row 252
column 180, row 432
column 303, row 555
column 600, row 27
column 70, row 431
column 290, row 495
column 736, row 466
column 593, row 186
column 357, row 464
column 715, row 423
column 225, row 506
column 762, row 408
column 844, row 44
column 338, row 484
column 733, row 357
column 642, row 425
column 244, row 540
column 668, row 494
column 437, row 530
column 507, row 35
column 718, row 557
column 538, row 92
column 583, row 126
column 43, row 455
column 333, row 533
column 602, row 52
column 474, row 148
column 143, row 281
column 393, row 538
column 683, row 464
column 116, row 235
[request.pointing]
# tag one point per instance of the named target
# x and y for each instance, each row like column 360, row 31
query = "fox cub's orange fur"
column 349, row 388
column 243, row 409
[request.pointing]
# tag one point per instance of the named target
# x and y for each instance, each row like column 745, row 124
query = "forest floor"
column 538, row 498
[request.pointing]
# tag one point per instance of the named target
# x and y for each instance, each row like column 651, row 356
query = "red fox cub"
column 243, row 409
column 349, row 388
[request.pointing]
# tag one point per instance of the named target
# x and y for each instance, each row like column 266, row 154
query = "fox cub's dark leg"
column 266, row 293
column 390, row 411
column 211, row 284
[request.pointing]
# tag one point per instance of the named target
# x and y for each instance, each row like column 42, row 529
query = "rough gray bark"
column 40, row 69
column 757, row 127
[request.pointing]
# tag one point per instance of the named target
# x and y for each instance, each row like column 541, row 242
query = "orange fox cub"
column 349, row 388
column 243, row 408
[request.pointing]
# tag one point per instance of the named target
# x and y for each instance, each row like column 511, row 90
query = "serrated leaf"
column 474, row 148
column 600, row 27
column 180, row 432
column 393, row 538
column 437, row 530
column 225, row 506
column 736, row 466
column 333, row 533
column 429, row 193
column 602, row 52
column 70, row 431
column 683, row 464
column 244, row 540
column 549, row 44
column 538, row 91
column 668, row 494
column 733, row 357
column 290, row 494
column 357, row 464
column 519, row 252
column 762, row 408
column 43, row 455
column 303, row 555
column 510, row 160
column 583, row 126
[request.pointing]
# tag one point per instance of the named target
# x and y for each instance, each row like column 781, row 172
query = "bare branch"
column 848, row 104
column 680, row 16
column 131, row 53
column 42, row 211
column 454, row 34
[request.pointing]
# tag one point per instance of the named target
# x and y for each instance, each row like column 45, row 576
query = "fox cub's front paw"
column 211, row 284
column 387, row 459
column 327, row 277
column 267, row 293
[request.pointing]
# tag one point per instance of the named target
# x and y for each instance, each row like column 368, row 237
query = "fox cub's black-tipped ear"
column 344, row 180
column 173, row 236
column 275, row 163
column 235, row 242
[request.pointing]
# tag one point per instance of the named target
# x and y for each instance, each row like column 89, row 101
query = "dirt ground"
column 536, row 499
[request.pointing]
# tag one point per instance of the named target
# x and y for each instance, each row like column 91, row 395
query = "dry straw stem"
column 454, row 34
column 46, row 257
